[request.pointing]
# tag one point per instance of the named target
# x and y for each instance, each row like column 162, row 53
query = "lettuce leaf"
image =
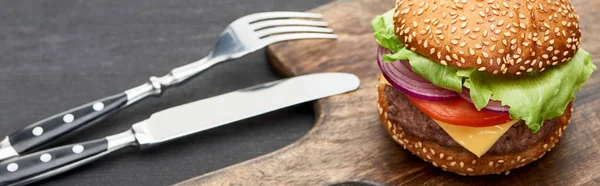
column 532, row 97
column 383, row 26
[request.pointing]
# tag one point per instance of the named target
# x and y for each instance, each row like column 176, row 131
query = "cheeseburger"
column 479, row 87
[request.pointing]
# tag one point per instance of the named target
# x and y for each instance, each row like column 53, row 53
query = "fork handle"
column 57, row 127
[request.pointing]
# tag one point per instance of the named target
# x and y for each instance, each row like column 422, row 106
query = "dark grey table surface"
column 55, row 55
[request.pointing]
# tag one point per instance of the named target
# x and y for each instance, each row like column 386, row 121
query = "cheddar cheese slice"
column 477, row 140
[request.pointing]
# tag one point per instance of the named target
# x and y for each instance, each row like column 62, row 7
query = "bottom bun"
column 460, row 160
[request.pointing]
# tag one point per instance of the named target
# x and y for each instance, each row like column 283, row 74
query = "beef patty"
column 401, row 112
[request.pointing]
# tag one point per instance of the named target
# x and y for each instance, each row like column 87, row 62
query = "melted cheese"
column 477, row 140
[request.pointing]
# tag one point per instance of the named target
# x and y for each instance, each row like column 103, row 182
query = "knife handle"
column 24, row 167
column 61, row 126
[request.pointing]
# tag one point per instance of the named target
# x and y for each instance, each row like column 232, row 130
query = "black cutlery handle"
column 53, row 129
column 23, row 167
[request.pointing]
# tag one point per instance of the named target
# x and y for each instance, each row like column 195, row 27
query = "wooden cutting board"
column 349, row 143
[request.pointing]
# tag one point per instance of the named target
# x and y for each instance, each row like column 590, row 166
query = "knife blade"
column 179, row 121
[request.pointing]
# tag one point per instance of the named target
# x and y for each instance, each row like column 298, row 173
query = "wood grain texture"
column 349, row 143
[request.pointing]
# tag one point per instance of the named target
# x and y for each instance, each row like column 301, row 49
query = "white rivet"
column 45, row 158
column 77, row 149
column 68, row 118
column 37, row 131
column 12, row 167
column 98, row 106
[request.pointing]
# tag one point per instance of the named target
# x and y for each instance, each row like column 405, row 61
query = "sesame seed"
column 491, row 164
column 467, row 31
column 471, row 51
column 481, row 69
column 485, row 54
column 470, row 169
column 452, row 163
column 500, row 22
column 462, row 164
column 479, row 60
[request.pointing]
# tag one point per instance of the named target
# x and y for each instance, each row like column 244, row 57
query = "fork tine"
column 286, row 22
column 275, row 15
column 286, row 37
column 291, row 29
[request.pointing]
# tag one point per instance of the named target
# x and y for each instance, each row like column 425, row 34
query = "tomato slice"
column 459, row 112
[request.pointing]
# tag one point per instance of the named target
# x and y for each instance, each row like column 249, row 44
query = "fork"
column 244, row 35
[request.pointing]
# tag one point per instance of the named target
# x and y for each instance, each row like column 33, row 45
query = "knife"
column 179, row 121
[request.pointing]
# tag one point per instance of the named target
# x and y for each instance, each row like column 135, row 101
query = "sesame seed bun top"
column 497, row 36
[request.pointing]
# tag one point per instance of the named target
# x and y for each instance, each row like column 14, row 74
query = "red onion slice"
column 401, row 76
column 494, row 106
